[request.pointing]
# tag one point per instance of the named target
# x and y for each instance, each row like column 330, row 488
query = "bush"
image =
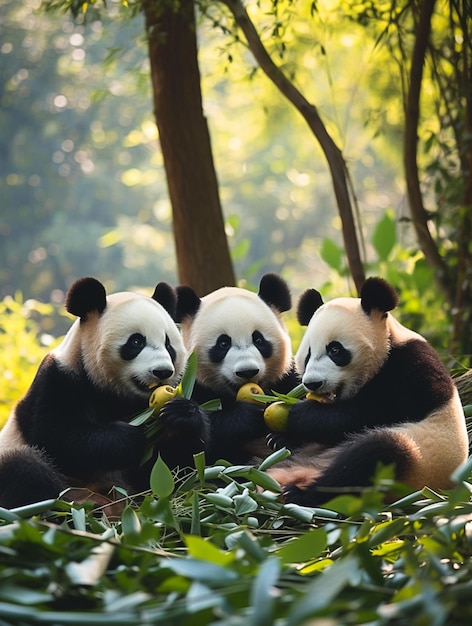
column 24, row 341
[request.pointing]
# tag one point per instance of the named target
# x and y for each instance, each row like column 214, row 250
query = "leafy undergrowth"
column 217, row 547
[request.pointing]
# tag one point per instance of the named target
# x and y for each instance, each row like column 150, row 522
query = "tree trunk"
column 334, row 157
column 419, row 215
column 203, row 257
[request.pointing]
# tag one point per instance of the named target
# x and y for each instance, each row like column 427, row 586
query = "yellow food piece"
column 276, row 416
column 245, row 392
column 311, row 395
column 160, row 396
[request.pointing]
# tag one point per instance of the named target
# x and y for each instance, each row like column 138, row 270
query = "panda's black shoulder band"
column 188, row 303
column 86, row 295
column 275, row 292
column 378, row 294
column 309, row 302
column 166, row 297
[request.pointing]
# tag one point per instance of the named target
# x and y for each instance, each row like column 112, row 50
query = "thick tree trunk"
column 334, row 157
column 203, row 256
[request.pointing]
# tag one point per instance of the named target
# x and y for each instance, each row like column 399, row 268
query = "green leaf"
column 243, row 503
column 161, row 481
column 195, row 527
column 199, row 460
column 385, row 236
column 196, row 569
column 304, row 548
column 324, row 590
column 212, row 405
column 28, row 510
column 188, row 379
column 219, row 500
column 79, row 519
column 255, row 475
column 130, row 525
column 204, row 550
column 263, row 596
column 332, row 254
column 275, row 457
column 142, row 418
column 463, row 472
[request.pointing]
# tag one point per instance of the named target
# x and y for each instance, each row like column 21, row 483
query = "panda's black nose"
column 247, row 374
column 162, row 374
column 313, row 386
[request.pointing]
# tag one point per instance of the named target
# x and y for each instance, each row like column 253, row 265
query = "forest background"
column 82, row 182
column 83, row 191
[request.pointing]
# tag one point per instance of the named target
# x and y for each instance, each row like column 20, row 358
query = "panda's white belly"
column 441, row 445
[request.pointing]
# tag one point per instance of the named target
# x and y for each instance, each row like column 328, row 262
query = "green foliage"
column 218, row 547
column 24, row 341
column 230, row 552
column 421, row 308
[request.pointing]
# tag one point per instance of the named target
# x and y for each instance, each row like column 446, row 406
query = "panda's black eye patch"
column 262, row 344
column 170, row 349
column 218, row 352
column 133, row 346
column 340, row 355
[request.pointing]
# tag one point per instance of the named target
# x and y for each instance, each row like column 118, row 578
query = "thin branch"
column 336, row 163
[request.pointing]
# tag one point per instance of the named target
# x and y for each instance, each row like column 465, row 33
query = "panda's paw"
column 277, row 441
column 183, row 417
column 291, row 494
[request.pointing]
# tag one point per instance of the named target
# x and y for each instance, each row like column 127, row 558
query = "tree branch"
column 410, row 148
column 309, row 112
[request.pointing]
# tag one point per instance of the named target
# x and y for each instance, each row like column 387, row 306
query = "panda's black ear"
column 275, row 292
column 86, row 295
column 188, row 303
column 165, row 296
column 309, row 302
column 378, row 294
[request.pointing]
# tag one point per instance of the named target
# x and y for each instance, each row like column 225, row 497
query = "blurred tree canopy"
column 82, row 182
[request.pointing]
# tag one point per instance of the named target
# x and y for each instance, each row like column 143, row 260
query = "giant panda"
column 71, row 429
column 239, row 337
column 385, row 398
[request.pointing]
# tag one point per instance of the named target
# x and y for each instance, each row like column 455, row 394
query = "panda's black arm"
column 231, row 428
column 412, row 383
column 312, row 421
column 83, row 451
column 81, row 430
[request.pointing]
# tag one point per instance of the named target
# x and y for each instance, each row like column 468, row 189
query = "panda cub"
column 71, row 429
column 238, row 337
column 388, row 400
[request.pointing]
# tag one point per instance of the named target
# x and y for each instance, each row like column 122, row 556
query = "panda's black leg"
column 354, row 468
column 27, row 476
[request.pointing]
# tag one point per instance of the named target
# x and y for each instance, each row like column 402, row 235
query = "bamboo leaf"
column 161, row 480
column 262, row 596
column 304, row 548
column 190, row 374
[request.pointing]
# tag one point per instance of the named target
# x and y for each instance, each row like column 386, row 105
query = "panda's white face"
column 342, row 348
column 131, row 347
column 238, row 338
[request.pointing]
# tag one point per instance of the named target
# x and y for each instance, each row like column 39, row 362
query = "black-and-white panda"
column 71, row 429
column 389, row 400
column 239, row 337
